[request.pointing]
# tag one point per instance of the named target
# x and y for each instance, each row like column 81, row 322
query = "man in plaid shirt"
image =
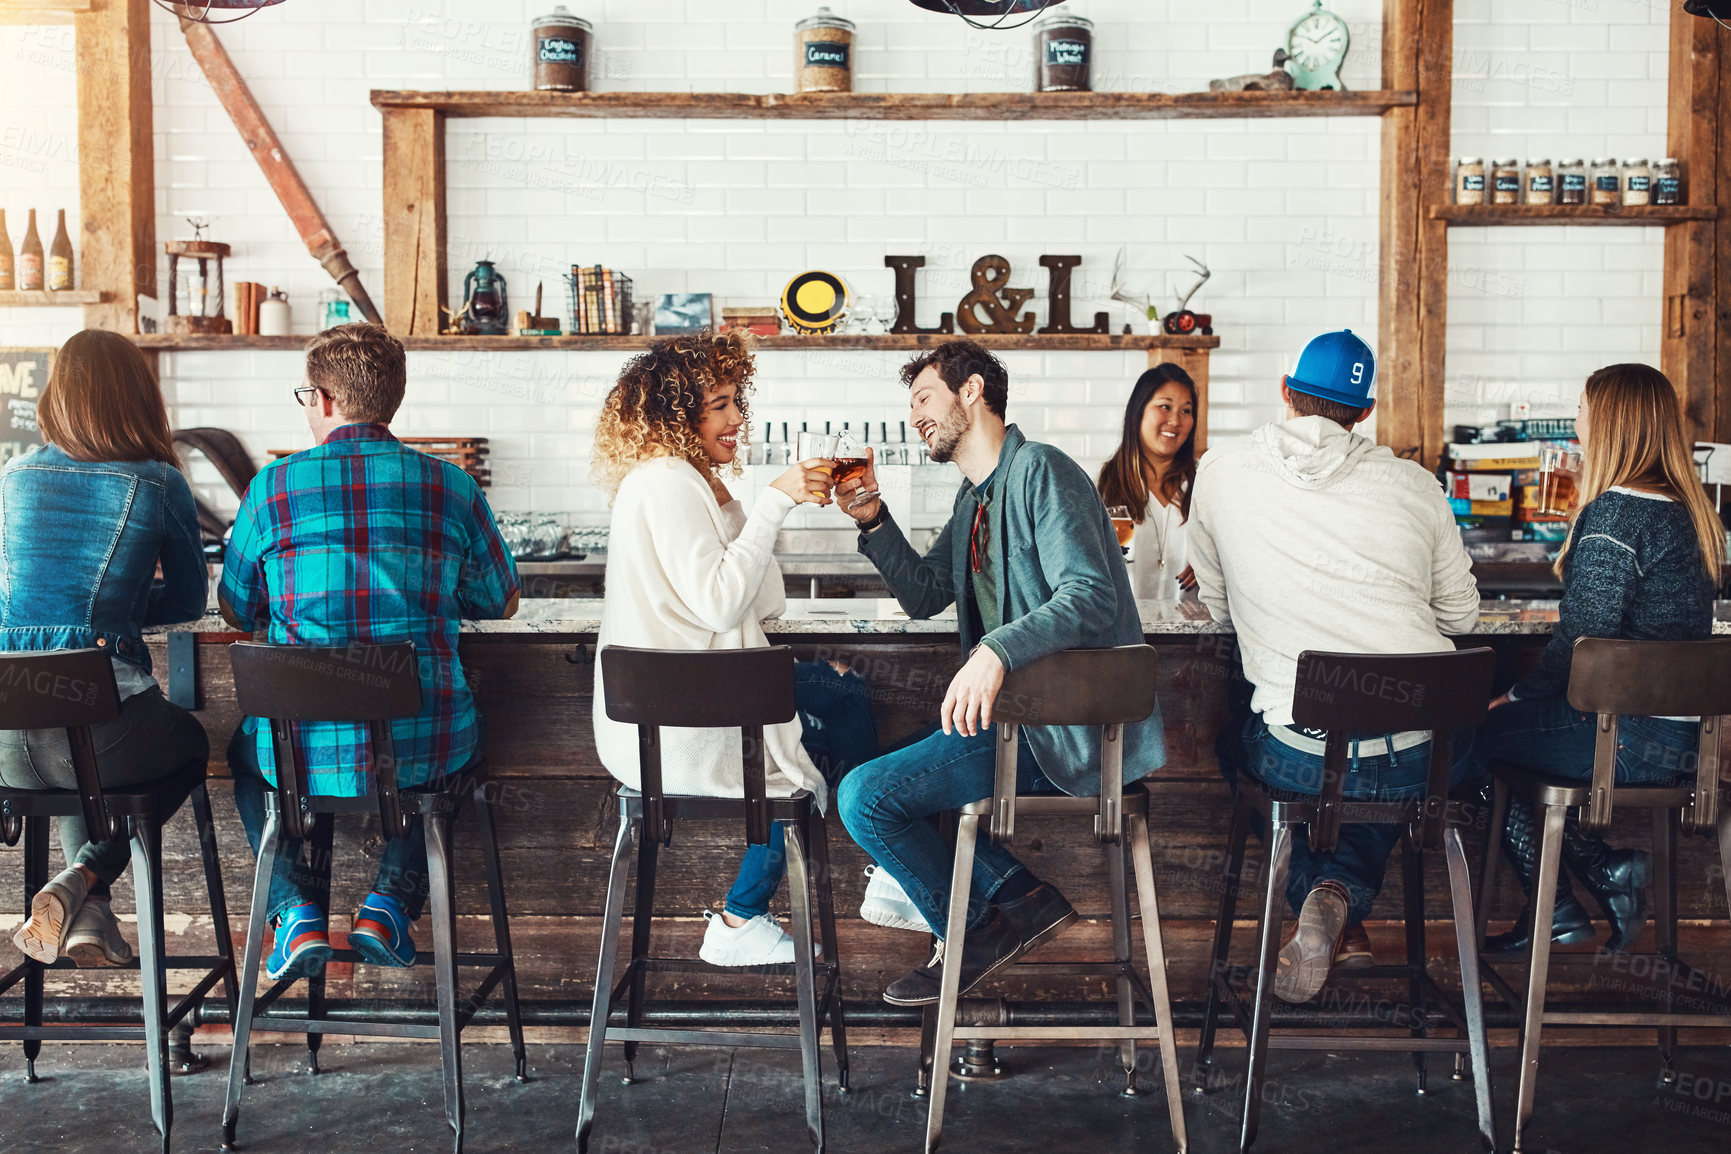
column 361, row 539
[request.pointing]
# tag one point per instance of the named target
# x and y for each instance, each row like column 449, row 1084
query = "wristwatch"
column 876, row 519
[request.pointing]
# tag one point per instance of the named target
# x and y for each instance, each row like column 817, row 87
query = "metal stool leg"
column 445, row 967
column 206, row 826
column 1154, row 946
column 601, row 1008
column 1491, row 859
column 1221, row 955
column 818, row 845
column 1279, row 856
column 35, row 877
column 1472, row 993
column 642, row 915
column 153, row 976
column 501, row 928
column 1544, row 900
column 810, row 1053
column 928, row 1051
column 1665, row 924
column 1412, row 893
column 1121, row 957
column 238, row 1060
column 323, row 834
column 956, row 928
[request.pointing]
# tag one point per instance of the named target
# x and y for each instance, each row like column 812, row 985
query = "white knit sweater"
column 686, row 573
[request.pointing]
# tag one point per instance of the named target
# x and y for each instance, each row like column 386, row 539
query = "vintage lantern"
column 203, row 297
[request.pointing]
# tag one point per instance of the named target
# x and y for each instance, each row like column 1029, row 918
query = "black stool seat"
column 296, row 683
column 137, row 813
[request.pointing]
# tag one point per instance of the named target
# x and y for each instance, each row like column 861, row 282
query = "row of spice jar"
column 1632, row 182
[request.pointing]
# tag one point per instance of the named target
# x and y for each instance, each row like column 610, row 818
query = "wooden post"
column 116, row 160
column 1695, row 345
column 414, row 220
column 1194, row 362
column 1412, row 310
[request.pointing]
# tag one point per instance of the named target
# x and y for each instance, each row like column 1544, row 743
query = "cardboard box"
column 1480, row 486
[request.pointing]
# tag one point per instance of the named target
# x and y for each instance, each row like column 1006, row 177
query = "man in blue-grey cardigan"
column 1030, row 560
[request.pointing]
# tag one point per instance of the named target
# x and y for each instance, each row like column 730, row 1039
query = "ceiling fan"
column 989, row 13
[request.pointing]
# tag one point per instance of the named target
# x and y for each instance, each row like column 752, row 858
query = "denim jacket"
column 79, row 543
column 1064, row 586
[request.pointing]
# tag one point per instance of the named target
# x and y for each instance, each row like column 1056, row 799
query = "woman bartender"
column 1150, row 476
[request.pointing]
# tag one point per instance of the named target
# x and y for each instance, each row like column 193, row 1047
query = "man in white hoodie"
column 1310, row 536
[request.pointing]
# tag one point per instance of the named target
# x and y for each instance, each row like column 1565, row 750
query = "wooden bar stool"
column 373, row 684
column 1350, row 694
column 74, row 690
column 1615, row 678
column 1110, row 688
column 744, row 689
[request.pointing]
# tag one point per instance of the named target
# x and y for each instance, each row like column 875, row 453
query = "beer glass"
column 1124, row 525
column 816, row 445
column 850, row 462
column 1559, row 473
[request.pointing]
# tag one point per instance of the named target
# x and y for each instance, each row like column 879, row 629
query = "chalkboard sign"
column 23, row 373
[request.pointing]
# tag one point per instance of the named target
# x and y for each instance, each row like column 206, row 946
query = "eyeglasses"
column 303, row 396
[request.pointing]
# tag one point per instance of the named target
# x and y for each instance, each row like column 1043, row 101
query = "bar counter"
column 533, row 677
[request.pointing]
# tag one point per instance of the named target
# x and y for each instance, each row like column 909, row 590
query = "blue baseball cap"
column 1336, row 367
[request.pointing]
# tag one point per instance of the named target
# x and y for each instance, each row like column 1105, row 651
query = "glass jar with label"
column 1541, row 182
column 1063, row 53
column 1572, row 181
column 1506, row 181
column 1637, row 182
column 560, row 45
column 823, row 53
column 1667, row 182
column 1470, row 180
column 1607, row 187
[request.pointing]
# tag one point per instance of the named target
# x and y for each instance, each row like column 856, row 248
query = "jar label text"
column 1061, row 53
column 558, row 50
column 1639, row 183
column 826, row 54
column 1508, row 183
column 1473, row 183
column 1540, row 184
column 1605, row 183
column 1574, row 182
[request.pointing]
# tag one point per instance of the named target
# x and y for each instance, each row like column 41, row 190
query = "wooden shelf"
column 1081, row 342
column 1481, row 215
column 900, row 105
column 38, row 298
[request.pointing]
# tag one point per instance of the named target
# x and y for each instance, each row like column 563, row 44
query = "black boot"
column 1617, row 879
column 1570, row 924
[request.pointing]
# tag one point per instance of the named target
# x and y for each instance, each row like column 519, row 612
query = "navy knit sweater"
column 1634, row 571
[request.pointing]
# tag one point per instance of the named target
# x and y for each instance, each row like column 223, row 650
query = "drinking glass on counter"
column 545, row 537
column 1559, row 474
column 1124, row 525
column 850, row 462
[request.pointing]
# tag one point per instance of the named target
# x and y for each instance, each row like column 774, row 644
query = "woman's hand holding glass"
column 808, row 482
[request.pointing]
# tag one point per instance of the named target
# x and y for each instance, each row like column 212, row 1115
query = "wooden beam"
column 1651, row 216
column 1693, row 326
column 117, row 160
column 42, row 11
column 415, row 287
column 992, row 106
column 1412, row 310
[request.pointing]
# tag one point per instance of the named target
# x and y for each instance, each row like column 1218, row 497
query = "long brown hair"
column 1636, row 438
column 1123, row 481
column 654, row 409
column 101, row 403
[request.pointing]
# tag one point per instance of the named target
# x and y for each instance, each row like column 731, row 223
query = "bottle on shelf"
column 30, row 266
column 7, row 279
column 60, row 258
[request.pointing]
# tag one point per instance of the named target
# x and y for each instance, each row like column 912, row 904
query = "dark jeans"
column 1549, row 735
column 151, row 738
column 891, row 806
column 838, row 734
column 402, row 864
column 1360, row 859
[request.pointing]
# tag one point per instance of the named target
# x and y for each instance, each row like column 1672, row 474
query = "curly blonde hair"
column 654, row 409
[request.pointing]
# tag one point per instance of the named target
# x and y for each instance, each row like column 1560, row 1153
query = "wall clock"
column 1316, row 44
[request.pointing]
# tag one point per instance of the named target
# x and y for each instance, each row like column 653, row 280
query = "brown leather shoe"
column 1308, row 956
column 1354, row 952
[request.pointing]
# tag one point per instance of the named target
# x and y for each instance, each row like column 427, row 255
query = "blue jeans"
column 838, row 733
column 402, row 864
column 1360, row 858
column 890, row 807
column 1549, row 735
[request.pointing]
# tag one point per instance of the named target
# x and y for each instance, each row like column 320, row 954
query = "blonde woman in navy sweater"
column 1643, row 560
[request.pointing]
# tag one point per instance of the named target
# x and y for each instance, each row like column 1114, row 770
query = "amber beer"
column 1559, row 474
column 1122, row 524
column 847, row 468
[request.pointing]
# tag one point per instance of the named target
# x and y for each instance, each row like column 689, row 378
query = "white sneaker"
column 94, row 937
column 51, row 912
column 759, row 942
column 887, row 904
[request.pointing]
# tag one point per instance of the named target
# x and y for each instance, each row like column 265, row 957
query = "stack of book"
column 247, row 295
column 760, row 319
column 600, row 300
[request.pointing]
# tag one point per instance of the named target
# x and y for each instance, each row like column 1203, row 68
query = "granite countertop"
column 882, row 616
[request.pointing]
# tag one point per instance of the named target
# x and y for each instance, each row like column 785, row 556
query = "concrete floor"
column 387, row 1098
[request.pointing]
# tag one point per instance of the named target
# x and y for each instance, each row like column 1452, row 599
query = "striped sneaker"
column 381, row 932
column 303, row 943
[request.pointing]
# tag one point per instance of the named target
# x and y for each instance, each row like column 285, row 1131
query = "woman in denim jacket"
column 85, row 521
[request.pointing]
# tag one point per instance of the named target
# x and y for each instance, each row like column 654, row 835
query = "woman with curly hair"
column 689, row 568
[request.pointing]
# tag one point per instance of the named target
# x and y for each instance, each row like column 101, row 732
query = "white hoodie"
column 1309, row 536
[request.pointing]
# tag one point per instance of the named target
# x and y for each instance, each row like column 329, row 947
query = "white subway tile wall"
column 1284, row 212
